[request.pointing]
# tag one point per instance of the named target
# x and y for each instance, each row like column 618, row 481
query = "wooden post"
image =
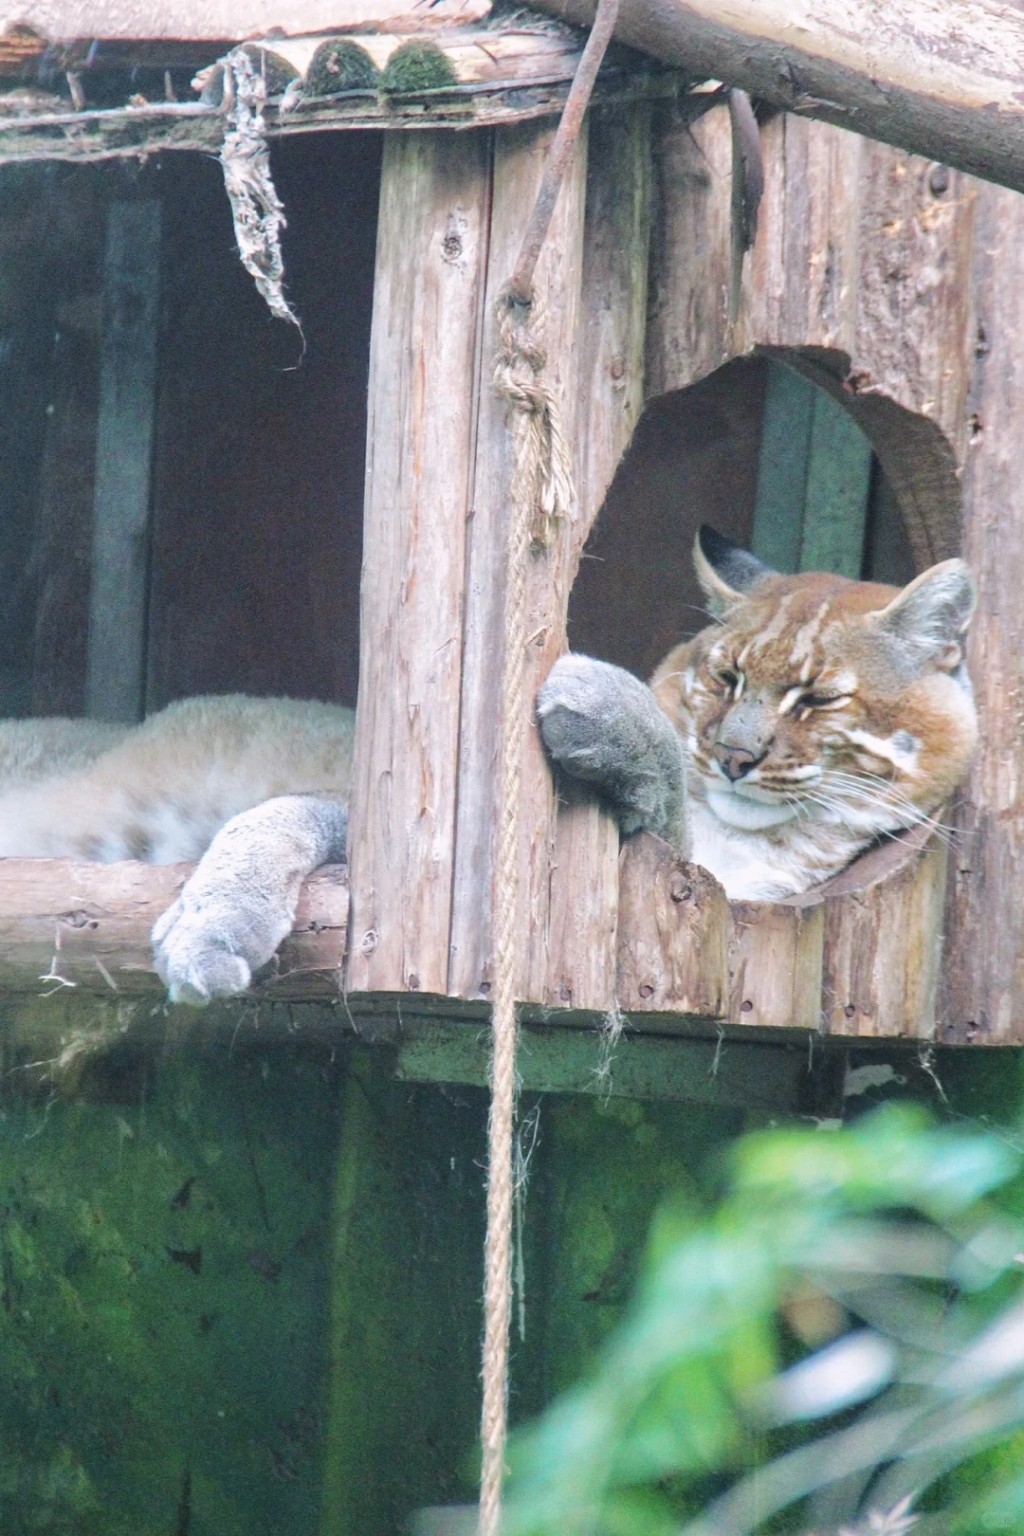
column 984, row 973
column 518, row 163
column 578, row 968
column 431, row 254
column 116, row 657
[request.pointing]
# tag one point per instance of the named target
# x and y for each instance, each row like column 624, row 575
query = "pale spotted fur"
column 254, row 788
column 818, row 715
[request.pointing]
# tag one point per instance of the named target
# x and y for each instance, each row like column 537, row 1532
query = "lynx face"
column 821, row 706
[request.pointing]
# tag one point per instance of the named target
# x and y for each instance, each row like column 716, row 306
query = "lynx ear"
column 929, row 618
column 725, row 571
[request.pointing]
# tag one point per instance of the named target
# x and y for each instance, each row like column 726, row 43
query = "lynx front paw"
column 601, row 724
column 206, row 949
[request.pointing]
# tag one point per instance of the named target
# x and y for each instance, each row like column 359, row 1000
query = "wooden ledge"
column 859, row 956
column 85, row 927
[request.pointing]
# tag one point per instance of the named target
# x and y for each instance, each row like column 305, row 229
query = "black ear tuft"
column 737, row 567
column 725, row 571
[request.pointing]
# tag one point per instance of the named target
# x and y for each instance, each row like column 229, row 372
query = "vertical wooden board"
column 916, row 222
column 838, row 487
column 519, row 157
column 430, row 266
column 883, row 951
column 674, row 933
column 403, row 1401
column 984, row 971
column 688, row 333
column 914, row 339
column 116, row 661
column 584, row 872
column 782, row 468
column 775, row 965
column 799, row 286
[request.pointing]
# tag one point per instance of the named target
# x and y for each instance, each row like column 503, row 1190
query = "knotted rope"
column 542, row 493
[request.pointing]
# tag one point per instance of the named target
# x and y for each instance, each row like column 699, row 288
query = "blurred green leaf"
column 839, row 1336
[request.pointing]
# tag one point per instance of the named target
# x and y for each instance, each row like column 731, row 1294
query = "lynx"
column 816, row 716
column 253, row 788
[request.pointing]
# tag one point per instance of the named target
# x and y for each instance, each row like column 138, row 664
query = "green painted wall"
column 240, row 1276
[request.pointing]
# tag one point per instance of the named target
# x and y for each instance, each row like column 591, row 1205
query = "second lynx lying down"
column 814, row 717
column 166, row 791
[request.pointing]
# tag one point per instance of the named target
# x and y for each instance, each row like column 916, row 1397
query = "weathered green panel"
column 404, row 1400
column 814, row 480
column 771, row 1077
column 777, row 532
column 838, row 486
column 164, row 1298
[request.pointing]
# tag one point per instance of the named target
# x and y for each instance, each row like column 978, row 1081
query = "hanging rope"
column 542, row 494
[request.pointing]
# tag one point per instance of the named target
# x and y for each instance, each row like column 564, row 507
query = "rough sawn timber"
column 938, row 77
column 84, row 929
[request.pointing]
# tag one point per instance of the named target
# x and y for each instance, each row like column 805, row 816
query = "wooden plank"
column 782, row 465
column 580, row 942
column 939, row 81
column 838, row 487
column 883, row 948
column 775, row 965
column 85, row 928
column 984, row 975
column 519, row 158
column 431, row 255
column 673, row 934
column 688, row 332
column 855, row 280
column 116, row 662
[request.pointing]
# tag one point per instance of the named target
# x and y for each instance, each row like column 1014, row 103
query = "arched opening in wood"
column 775, row 452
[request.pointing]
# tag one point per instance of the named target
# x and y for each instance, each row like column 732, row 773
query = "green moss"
column 163, row 1298
column 417, row 66
column 340, row 65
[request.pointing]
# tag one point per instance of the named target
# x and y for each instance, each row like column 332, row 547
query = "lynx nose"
column 734, row 762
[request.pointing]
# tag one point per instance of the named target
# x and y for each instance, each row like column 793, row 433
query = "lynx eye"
column 820, row 700
column 727, row 677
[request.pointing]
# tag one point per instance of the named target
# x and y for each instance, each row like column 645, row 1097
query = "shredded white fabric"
column 256, row 209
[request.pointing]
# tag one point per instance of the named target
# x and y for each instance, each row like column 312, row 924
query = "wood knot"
column 369, row 941
column 645, row 989
column 78, row 919
column 680, row 889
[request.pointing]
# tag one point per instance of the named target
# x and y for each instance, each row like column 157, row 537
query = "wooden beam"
column 940, row 77
column 116, row 655
column 83, row 930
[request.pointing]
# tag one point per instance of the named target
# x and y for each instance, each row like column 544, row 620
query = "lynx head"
column 822, row 701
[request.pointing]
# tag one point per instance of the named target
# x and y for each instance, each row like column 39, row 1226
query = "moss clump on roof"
column 417, row 66
column 341, row 65
column 277, row 73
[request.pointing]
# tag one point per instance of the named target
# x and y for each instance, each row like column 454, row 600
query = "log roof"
column 112, row 77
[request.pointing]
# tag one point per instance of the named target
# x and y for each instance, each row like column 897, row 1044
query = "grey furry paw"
column 207, row 945
column 601, row 724
column 240, row 901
